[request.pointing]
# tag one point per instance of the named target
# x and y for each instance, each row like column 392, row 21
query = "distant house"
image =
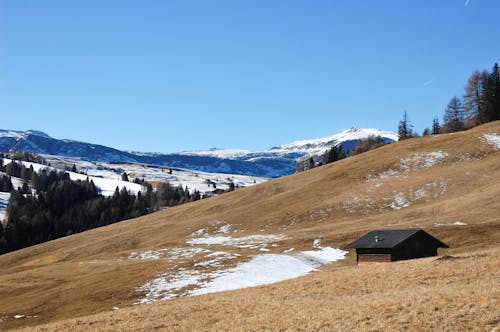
column 394, row 245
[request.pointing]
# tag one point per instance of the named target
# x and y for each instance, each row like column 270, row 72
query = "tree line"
column 337, row 152
column 480, row 103
column 55, row 206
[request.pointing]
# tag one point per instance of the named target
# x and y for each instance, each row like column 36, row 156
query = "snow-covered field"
column 215, row 271
column 106, row 186
column 107, row 177
column 193, row 180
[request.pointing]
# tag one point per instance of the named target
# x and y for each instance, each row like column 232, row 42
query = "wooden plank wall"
column 373, row 258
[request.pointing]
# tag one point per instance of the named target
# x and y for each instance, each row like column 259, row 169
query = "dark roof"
column 389, row 239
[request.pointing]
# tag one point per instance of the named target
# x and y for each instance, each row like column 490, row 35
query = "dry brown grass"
column 64, row 280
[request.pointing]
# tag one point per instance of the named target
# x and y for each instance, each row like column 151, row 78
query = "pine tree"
column 335, row 153
column 125, row 177
column 453, row 115
column 405, row 128
column 311, row 163
column 436, row 127
column 73, row 168
column 492, row 96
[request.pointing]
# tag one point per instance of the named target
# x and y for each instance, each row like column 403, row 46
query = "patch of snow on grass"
column 421, row 161
column 325, row 255
column 288, row 250
column 224, row 229
column 168, row 285
column 216, row 259
column 249, row 242
column 399, row 202
column 317, row 243
column 199, row 232
column 389, row 174
column 267, row 269
column 260, row 270
column 456, row 223
column 420, row 193
column 19, row 316
column 492, row 139
column 170, row 254
column 417, row 162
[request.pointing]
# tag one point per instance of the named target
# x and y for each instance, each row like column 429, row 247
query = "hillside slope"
column 446, row 184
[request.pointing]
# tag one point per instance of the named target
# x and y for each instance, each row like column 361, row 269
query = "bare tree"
column 474, row 96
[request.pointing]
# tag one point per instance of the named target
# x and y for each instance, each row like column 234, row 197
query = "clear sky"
column 171, row 75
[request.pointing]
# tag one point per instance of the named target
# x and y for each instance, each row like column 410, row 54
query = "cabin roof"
column 389, row 238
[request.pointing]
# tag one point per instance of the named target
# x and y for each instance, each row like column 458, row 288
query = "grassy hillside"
column 447, row 184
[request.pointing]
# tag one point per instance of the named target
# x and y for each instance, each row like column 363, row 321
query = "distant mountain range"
column 275, row 162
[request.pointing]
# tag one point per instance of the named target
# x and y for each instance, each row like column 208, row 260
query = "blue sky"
column 172, row 75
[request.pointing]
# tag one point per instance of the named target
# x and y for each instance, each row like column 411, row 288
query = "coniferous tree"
column 335, row 153
column 436, row 127
column 405, row 128
column 6, row 184
column 453, row 116
column 311, row 162
column 492, row 96
column 124, row 176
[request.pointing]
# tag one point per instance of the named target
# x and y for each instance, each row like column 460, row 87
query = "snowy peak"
column 22, row 134
column 37, row 133
column 319, row 145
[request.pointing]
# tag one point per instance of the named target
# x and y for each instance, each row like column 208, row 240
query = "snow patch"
column 492, row 139
column 459, row 223
column 260, row 270
column 399, row 202
column 170, row 254
column 199, row 232
column 417, row 162
column 456, row 223
column 248, row 242
column 224, row 229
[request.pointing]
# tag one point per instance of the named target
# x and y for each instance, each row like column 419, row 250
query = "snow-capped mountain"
column 348, row 139
column 275, row 162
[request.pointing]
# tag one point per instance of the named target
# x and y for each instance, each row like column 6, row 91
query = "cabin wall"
column 418, row 246
column 373, row 258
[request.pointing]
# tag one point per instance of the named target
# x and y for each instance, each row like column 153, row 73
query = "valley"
column 182, row 268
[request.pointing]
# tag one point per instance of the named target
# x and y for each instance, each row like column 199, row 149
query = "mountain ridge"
column 275, row 162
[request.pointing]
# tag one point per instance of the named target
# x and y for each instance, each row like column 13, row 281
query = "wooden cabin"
column 394, row 245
